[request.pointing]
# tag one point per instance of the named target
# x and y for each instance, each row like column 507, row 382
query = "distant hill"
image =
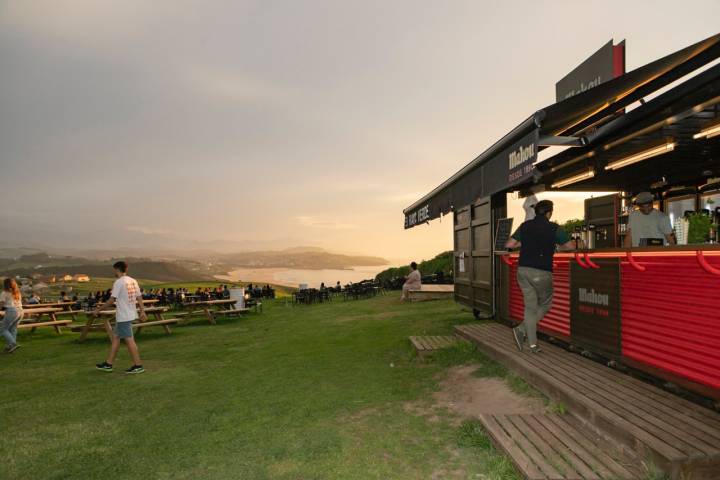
column 171, row 268
column 301, row 258
column 145, row 269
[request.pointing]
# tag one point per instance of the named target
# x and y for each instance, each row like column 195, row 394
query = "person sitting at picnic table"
column 34, row 299
column 412, row 282
column 64, row 297
column 11, row 302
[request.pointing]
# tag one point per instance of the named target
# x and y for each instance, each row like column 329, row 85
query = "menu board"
column 503, row 232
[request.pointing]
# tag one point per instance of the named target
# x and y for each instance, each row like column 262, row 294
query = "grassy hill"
column 301, row 258
column 321, row 392
column 140, row 268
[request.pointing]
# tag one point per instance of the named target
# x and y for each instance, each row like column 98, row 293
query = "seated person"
column 34, row 299
column 412, row 282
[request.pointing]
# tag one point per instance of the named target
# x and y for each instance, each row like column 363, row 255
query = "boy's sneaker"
column 535, row 349
column 11, row 348
column 104, row 366
column 519, row 338
column 135, row 369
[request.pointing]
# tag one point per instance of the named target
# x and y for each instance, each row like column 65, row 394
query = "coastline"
column 292, row 277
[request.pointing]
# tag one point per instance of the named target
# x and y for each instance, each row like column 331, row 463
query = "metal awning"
column 508, row 164
column 663, row 137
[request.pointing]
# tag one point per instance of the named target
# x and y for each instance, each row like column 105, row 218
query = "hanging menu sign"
column 502, row 233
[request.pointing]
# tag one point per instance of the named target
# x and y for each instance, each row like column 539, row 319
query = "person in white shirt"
column 127, row 298
column 647, row 223
column 412, row 282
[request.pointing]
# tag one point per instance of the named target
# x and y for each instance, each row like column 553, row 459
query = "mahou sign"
column 595, row 306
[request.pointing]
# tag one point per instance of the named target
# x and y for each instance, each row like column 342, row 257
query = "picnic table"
column 33, row 306
column 106, row 315
column 216, row 307
column 33, row 319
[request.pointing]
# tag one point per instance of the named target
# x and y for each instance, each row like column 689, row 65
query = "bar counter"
column 656, row 309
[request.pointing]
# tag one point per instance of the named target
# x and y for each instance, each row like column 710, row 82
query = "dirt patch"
column 469, row 396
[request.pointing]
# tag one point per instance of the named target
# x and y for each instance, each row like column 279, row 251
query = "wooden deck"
column 432, row 292
column 680, row 437
column 425, row 346
column 554, row 447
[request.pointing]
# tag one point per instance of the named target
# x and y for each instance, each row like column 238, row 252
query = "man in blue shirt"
column 537, row 240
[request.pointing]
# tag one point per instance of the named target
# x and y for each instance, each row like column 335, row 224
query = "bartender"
column 647, row 226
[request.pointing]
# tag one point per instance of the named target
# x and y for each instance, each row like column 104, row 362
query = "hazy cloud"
column 226, row 123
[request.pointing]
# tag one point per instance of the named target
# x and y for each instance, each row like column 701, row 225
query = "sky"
column 234, row 125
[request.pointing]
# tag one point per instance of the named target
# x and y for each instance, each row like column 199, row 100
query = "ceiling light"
column 638, row 157
column 709, row 132
column 589, row 173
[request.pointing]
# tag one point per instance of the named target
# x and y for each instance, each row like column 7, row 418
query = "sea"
column 290, row 277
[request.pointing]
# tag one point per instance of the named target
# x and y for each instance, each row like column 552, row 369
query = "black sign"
column 512, row 166
column 503, row 232
column 421, row 215
column 595, row 306
column 603, row 65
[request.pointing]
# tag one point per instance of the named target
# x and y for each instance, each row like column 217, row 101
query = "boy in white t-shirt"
column 125, row 296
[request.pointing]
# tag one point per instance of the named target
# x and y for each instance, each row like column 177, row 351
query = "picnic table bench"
column 215, row 307
column 61, row 305
column 33, row 318
column 106, row 315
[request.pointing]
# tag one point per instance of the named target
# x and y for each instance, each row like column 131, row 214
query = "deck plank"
column 506, row 443
column 571, row 392
column 678, row 434
column 571, row 451
column 649, row 421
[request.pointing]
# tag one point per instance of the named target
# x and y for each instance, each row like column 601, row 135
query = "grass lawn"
column 293, row 393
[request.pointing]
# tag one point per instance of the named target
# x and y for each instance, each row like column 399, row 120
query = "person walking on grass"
column 537, row 239
column 11, row 302
column 126, row 296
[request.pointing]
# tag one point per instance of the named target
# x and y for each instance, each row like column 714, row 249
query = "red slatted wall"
column 671, row 317
column 557, row 321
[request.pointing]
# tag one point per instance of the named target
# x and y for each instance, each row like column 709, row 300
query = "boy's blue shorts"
column 123, row 329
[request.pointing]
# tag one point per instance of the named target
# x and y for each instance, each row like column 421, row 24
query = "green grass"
column 302, row 392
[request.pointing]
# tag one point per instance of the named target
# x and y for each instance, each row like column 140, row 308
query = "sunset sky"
column 236, row 125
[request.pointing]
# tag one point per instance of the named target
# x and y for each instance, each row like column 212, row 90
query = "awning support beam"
column 560, row 141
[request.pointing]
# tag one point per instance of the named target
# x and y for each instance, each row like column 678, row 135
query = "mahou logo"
column 520, row 156
column 590, row 296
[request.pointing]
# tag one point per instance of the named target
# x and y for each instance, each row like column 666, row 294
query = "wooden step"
column 680, row 437
column 552, row 447
column 426, row 345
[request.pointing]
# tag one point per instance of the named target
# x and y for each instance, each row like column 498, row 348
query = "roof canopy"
column 577, row 121
column 655, row 146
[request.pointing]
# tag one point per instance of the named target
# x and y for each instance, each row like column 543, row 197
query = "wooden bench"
column 680, row 437
column 432, row 292
column 52, row 323
column 234, row 311
column 34, row 319
column 151, row 323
